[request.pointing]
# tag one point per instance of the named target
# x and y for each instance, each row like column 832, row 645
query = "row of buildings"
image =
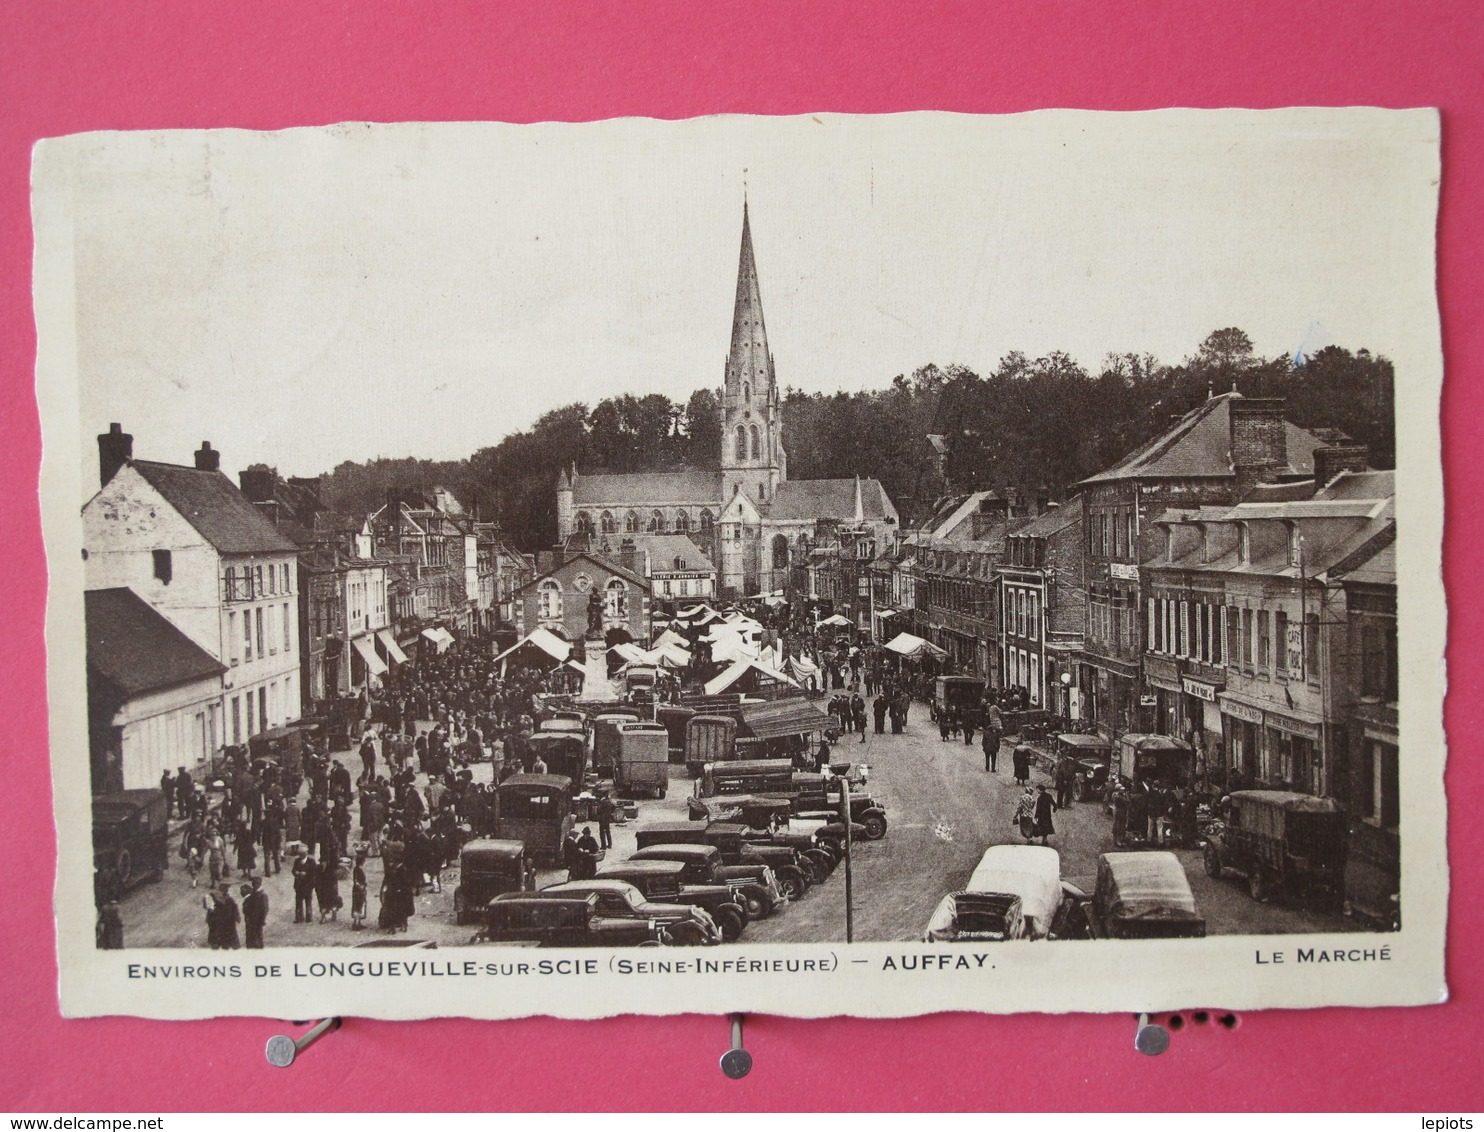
column 216, row 611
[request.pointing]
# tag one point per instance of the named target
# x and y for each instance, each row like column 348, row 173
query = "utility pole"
column 849, row 892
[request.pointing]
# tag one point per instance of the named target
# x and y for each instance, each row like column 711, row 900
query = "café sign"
column 1198, row 689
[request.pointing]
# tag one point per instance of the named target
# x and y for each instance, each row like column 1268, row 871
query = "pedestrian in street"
column 878, row 709
column 327, row 889
column 1022, row 760
column 589, row 847
column 572, row 856
column 1066, row 782
column 272, row 834
column 1045, row 805
column 605, row 821
column 306, row 874
column 222, row 918
column 358, row 891
column 858, row 714
column 991, row 743
column 254, row 912
column 110, row 929
column 185, row 792
column 216, row 855
column 945, row 723
column 967, row 721
column 247, row 852
column 167, row 788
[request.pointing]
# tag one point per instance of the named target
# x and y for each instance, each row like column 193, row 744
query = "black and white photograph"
column 864, row 565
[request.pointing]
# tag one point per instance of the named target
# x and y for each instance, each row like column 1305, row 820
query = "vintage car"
column 955, row 693
column 642, row 765
column 638, row 683
column 759, row 812
column 709, row 739
column 1141, row 895
column 535, row 920
column 1031, row 874
column 487, row 868
column 976, row 917
column 666, row 882
column 130, row 838
column 536, row 810
column 741, row 859
column 1281, row 842
column 746, row 776
column 1155, row 760
column 563, row 753
column 867, row 816
column 1091, row 755
column 685, row 924
column 605, row 739
column 703, row 866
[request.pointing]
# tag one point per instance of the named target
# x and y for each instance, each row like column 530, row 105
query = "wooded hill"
column 1033, row 423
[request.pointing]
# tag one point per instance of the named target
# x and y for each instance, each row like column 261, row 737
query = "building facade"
column 1042, row 612
column 584, row 596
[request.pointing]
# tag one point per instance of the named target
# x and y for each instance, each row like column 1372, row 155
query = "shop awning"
column 741, row 668
column 374, row 664
column 836, row 619
column 544, row 640
column 389, row 642
column 783, row 717
column 906, row 644
column 883, row 614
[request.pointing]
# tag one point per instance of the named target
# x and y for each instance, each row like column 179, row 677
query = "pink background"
column 73, row 66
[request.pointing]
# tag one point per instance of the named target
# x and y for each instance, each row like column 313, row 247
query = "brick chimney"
column 630, row 558
column 115, row 449
column 208, row 459
column 1259, row 440
column 257, row 484
column 1336, row 458
column 311, row 484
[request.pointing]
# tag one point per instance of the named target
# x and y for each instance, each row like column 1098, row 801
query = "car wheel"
column 756, row 904
column 1212, row 861
column 730, row 924
column 791, row 883
column 824, row 864
column 875, row 825
column 686, row 934
column 1258, row 886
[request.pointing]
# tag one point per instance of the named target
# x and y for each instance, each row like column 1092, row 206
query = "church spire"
column 749, row 360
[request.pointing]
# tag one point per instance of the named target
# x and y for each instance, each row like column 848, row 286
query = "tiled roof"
column 1053, row 521
column 828, row 499
column 1200, row 445
column 647, row 489
column 135, row 649
column 211, row 503
column 663, row 550
column 1377, row 570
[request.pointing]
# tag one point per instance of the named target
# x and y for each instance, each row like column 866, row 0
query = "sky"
column 316, row 295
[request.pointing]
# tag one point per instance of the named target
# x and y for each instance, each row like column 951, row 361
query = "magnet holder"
column 1150, row 1037
column 736, row 1063
column 282, row 1049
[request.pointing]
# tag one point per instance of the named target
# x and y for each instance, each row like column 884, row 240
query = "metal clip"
column 1151, row 1038
column 736, row 1063
column 282, row 1049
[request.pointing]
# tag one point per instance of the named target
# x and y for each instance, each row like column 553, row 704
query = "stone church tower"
column 752, row 456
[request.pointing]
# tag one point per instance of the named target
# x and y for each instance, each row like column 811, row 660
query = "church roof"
column 828, row 499
column 640, row 488
column 748, row 359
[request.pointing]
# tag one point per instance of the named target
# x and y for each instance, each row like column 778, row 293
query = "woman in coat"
column 327, row 887
column 1045, row 805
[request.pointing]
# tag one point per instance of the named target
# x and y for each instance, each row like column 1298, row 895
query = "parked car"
column 1281, row 842
column 130, row 838
column 665, row 881
column 1155, row 760
column 739, row 861
column 563, row 752
column 703, row 866
column 676, row 719
column 487, row 868
column 976, row 917
column 536, row 810
column 1030, row 875
column 532, row 919
column 1091, row 755
column 605, row 740
column 1142, row 895
column 685, row 924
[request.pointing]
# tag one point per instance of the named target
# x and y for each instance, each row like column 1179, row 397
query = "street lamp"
column 849, row 892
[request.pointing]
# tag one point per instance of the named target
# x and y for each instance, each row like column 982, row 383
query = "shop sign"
column 1199, row 690
column 1296, row 651
column 1148, row 701
column 1293, row 726
column 1123, row 571
column 1238, row 710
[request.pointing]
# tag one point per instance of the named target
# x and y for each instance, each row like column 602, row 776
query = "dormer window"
column 1295, row 546
column 1169, row 544
column 1244, row 543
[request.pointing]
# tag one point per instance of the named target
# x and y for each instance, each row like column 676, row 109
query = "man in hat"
column 254, row 911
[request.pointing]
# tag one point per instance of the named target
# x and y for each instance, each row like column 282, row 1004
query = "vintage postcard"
column 820, row 565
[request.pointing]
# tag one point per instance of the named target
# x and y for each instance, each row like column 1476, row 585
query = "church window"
column 682, row 521
column 707, row 521
column 609, row 526
column 549, row 600
column 656, row 522
column 746, row 391
column 780, row 552
column 616, row 600
column 631, row 522
column 756, row 444
column 741, row 443
column 584, row 522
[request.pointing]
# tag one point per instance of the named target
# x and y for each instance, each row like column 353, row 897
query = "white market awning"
column 836, row 619
column 543, row 639
column 720, row 683
column 389, row 642
column 906, row 644
column 374, row 664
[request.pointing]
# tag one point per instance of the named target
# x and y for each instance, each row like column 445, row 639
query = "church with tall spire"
column 752, row 520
